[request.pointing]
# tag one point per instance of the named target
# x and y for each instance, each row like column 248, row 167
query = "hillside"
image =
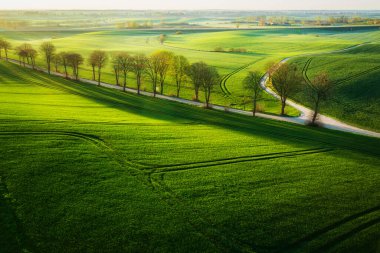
column 90, row 169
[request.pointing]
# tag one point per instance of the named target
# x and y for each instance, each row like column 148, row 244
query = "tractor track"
column 226, row 161
column 322, row 231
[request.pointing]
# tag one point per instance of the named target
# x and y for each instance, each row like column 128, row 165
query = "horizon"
column 197, row 5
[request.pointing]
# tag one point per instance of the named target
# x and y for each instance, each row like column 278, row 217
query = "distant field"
column 87, row 169
column 356, row 75
column 263, row 46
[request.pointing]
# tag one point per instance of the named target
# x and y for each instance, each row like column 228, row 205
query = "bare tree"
column 252, row 86
column 210, row 78
column 139, row 64
column 92, row 60
column 195, row 74
column 100, row 59
column 74, row 60
column 319, row 91
column 48, row 49
column 180, row 67
column 286, row 81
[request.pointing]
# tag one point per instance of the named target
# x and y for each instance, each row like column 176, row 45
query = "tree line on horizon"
column 284, row 78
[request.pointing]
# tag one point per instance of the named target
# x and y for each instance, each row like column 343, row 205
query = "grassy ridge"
column 91, row 169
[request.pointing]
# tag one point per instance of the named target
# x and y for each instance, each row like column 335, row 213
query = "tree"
column 180, row 67
column 64, row 60
column 252, row 86
column 57, row 60
column 116, row 69
column 92, row 62
column 32, row 54
column 210, row 77
column 74, row 60
column 286, row 81
column 195, row 74
column 161, row 61
column 28, row 53
column 100, row 58
column 138, row 65
column 125, row 62
column 48, row 49
column 319, row 90
column 6, row 46
column 152, row 70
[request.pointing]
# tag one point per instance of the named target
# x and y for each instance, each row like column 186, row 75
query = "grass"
column 90, row 169
column 356, row 97
column 263, row 46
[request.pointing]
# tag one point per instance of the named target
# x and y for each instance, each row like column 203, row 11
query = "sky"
column 193, row 4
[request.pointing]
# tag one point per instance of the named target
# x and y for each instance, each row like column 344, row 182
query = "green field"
column 88, row 169
column 356, row 75
column 262, row 46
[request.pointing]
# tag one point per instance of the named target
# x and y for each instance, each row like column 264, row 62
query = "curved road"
column 327, row 122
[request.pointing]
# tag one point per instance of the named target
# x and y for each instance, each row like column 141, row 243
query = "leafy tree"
column 157, row 67
column 180, row 67
column 210, row 78
column 252, row 86
column 63, row 59
column 6, row 46
column 162, row 38
column 74, row 60
column 125, row 62
column 48, row 49
column 139, row 64
column 319, row 90
column 286, row 81
column 100, row 58
column 195, row 74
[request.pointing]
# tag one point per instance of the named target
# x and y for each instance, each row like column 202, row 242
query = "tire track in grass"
column 227, row 161
column 223, row 81
column 347, row 235
column 95, row 140
column 312, row 236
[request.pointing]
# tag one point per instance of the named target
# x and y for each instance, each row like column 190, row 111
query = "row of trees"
column 284, row 78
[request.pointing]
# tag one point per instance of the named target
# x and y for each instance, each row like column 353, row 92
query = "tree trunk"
column 93, row 72
column 48, row 65
column 283, row 105
column 196, row 94
column 6, row 54
column 254, row 107
column 162, row 87
column 65, row 71
column 138, row 79
column 99, row 74
column 125, row 80
column 178, row 88
column 316, row 108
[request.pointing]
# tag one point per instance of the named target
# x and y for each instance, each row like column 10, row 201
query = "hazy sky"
column 193, row 4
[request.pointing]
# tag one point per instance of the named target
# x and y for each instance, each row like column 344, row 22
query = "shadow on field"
column 181, row 113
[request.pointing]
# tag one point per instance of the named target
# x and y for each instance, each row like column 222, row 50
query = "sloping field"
column 87, row 169
column 262, row 47
column 356, row 75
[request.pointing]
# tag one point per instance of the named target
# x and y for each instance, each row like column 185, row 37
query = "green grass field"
column 355, row 73
column 88, row 169
column 263, row 46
